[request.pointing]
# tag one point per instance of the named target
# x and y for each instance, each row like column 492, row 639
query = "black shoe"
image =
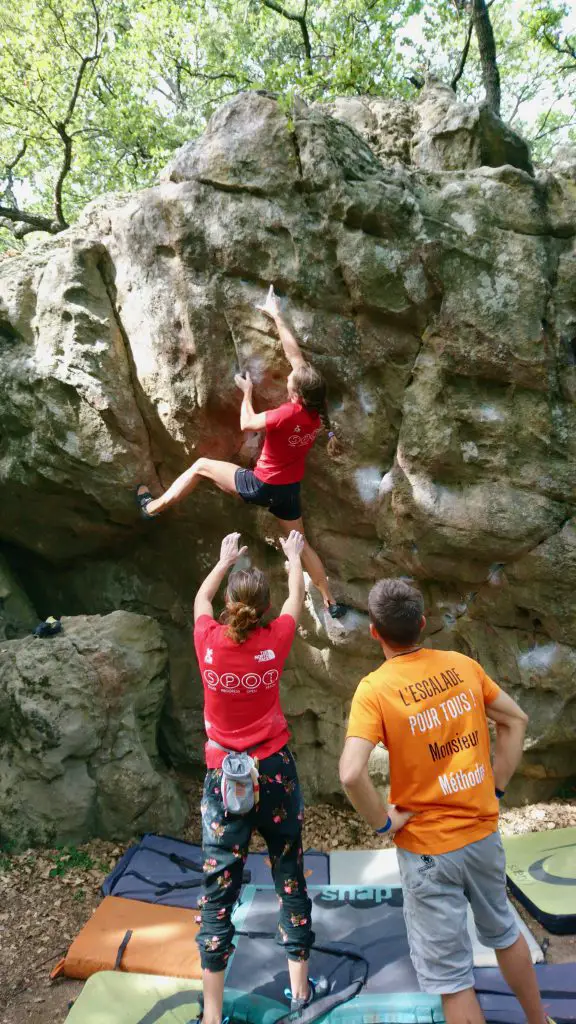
column 142, row 501
column 337, row 610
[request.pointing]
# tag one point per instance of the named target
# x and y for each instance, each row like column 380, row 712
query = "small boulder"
column 78, row 722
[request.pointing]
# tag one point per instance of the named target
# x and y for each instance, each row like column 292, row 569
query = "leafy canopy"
column 96, row 94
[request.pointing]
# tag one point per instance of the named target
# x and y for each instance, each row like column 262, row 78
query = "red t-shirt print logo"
column 229, row 682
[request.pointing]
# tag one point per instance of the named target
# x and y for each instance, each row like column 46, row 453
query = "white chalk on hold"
column 469, row 451
column 366, row 401
column 465, row 221
column 352, row 620
column 256, row 367
column 368, row 480
column 539, row 659
column 386, row 483
column 490, row 414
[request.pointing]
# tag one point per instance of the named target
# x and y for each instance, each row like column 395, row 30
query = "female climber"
column 241, row 662
column 291, row 430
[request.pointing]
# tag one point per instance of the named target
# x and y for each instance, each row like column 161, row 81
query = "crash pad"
column 168, row 871
column 111, row 997
column 541, row 869
column 360, row 932
column 127, row 935
column 557, row 983
column 381, row 867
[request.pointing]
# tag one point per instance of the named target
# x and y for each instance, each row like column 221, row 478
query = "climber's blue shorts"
column 282, row 500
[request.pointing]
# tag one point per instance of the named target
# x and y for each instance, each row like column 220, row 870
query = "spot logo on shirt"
column 265, row 656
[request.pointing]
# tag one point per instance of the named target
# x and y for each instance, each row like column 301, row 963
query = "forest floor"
column 47, row 895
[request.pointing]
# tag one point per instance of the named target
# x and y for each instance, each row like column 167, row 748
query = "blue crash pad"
column 160, row 869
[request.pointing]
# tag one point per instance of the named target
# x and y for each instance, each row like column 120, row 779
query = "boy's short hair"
column 396, row 609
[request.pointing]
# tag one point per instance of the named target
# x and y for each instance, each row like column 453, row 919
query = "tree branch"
column 34, row 221
column 565, row 48
column 463, row 56
column 8, row 191
column 557, row 128
column 62, row 126
column 487, row 49
column 300, row 19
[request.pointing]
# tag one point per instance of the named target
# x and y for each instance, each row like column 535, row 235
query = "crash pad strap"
column 122, row 949
column 325, row 1004
column 162, row 888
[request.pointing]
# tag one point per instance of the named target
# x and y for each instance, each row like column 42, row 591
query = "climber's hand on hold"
column 230, row 551
column 272, row 306
column 244, row 383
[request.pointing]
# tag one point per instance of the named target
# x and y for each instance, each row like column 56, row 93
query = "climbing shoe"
column 143, row 500
column 316, row 989
column 337, row 610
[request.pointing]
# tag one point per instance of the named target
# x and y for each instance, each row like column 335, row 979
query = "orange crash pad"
column 127, row 935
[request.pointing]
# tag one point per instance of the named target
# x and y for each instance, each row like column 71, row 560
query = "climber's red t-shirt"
column 242, row 687
column 290, row 433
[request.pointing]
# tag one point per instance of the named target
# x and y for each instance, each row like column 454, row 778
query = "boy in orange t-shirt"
column 431, row 710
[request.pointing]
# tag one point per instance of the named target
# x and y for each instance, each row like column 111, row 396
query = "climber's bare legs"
column 310, row 560
column 220, row 473
column 516, row 965
column 462, row 1008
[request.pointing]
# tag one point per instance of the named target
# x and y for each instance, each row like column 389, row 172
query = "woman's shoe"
column 317, row 988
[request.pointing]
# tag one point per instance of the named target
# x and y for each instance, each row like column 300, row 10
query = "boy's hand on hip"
column 398, row 818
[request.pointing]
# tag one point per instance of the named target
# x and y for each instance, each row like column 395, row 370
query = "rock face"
column 17, row 616
column 78, row 721
column 436, row 292
column 438, row 133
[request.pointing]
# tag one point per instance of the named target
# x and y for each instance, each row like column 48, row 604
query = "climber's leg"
column 220, row 473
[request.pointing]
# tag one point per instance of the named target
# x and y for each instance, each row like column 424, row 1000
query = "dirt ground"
column 47, row 895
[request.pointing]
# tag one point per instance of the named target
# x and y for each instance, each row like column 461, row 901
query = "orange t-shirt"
column 427, row 708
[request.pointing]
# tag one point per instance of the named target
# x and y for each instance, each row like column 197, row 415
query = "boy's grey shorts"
column 437, row 890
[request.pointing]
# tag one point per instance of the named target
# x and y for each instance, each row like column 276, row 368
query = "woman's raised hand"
column 293, row 545
column 230, row 551
column 272, row 306
column 244, row 383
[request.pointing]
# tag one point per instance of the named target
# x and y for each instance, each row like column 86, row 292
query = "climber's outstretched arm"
column 249, row 420
column 230, row 552
column 292, row 349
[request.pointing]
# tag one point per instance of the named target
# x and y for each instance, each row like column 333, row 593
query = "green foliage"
column 67, row 858
column 112, row 87
column 6, row 863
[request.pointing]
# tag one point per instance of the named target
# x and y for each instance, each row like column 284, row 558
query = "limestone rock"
column 454, row 136
column 431, row 277
column 17, row 616
column 386, row 125
column 438, row 133
column 78, row 721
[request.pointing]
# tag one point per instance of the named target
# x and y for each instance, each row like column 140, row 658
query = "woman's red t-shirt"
column 290, row 433
column 242, row 687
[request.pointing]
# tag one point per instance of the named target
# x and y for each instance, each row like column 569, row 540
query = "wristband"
column 386, row 827
column 499, row 793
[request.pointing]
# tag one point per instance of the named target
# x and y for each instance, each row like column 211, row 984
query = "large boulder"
column 78, row 722
column 435, row 289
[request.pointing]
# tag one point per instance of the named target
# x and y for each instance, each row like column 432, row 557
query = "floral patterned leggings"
column 226, row 838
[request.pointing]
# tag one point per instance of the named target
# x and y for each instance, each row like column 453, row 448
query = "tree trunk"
column 487, row 48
